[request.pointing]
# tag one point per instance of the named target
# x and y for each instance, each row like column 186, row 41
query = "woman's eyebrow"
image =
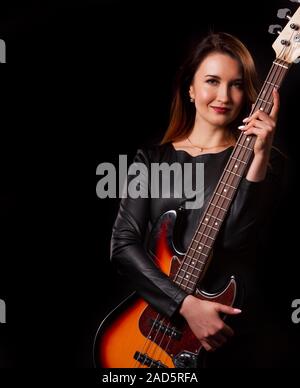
column 216, row 76
column 211, row 75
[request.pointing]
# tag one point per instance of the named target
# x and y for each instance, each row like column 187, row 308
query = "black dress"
column 235, row 250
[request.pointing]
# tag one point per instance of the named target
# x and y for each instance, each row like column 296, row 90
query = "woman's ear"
column 191, row 93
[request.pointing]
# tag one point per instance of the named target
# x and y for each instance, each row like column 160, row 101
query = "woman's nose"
column 223, row 93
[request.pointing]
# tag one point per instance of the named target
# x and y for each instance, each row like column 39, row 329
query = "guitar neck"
column 197, row 257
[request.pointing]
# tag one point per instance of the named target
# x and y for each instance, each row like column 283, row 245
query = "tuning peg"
column 295, row 1
column 284, row 13
column 297, row 60
column 275, row 29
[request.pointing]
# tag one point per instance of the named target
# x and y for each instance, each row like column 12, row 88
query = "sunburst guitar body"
column 134, row 335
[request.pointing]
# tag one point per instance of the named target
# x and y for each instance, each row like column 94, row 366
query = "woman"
column 215, row 89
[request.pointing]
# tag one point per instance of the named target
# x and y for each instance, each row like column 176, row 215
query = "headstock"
column 287, row 45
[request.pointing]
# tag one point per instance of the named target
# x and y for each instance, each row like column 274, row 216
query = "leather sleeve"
column 253, row 205
column 129, row 254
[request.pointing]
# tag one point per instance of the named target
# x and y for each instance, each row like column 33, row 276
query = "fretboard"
column 197, row 256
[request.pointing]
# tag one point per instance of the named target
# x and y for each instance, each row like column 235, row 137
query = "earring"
column 192, row 99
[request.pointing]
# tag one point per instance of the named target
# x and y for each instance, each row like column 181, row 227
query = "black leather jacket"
column 234, row 251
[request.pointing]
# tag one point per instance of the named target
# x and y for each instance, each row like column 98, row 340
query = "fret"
column 238, row 160
column 278, row 64
column 227, row 184
column 200, row 245
column 234, row 173
column 223, row 196
column 235, row 163
column 206, row 231
column 232, row 180
column 201, row 253
column 218, row 213
column 207, row 228
column 219, row 201
column 267, row 102
column 206, row 235
column 219, row 207
column 210, row 226
column 236, row 168
column 215, row 217
column 240, row 145
column 187, row 277
column 185, row 286
column 224, row 192
column 195, row 246
column 192, row 266
column 271, row 83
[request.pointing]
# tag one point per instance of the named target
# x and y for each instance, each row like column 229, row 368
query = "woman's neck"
column 210, row 137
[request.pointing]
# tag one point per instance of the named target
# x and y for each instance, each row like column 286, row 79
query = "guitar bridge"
column 148, row 361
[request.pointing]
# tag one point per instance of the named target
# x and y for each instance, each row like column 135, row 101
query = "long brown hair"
column 182, row 115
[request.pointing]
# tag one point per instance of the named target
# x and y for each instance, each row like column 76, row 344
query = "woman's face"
column 218, row 91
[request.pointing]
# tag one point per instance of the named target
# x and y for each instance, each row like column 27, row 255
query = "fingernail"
column 246, row 119
column 237, row 310
column 241, row 127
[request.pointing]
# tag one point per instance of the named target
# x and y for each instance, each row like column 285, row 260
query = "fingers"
column 214, row 342
column 207, row 346
column 227, row 331
column 220, row 339
column 276, row 106
column 257, row 119
column 260, row 126
column 260, row 115
column 223, row 308
column 260, row 132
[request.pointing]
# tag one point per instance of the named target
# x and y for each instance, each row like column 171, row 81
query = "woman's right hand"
column 203, row 319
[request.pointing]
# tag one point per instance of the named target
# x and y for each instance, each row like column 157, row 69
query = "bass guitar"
column 134, row 335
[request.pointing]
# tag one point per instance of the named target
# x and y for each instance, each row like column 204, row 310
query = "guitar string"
column 148, row 342
column 205, row 225
column 223, row 200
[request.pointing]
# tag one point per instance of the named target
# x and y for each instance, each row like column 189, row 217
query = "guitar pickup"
column 171, row 332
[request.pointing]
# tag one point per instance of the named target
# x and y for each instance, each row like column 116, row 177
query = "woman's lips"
column 220, row 110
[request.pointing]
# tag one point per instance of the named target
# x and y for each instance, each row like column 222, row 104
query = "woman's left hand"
column 263, row 126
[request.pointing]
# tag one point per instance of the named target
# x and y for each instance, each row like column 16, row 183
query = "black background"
column 86, row 81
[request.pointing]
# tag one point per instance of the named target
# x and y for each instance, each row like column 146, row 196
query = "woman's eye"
column 238, row 85
column 212, row 81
